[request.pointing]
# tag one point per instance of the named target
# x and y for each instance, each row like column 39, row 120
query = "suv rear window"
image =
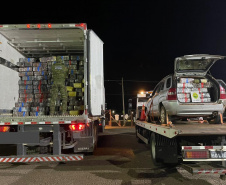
column 168, row 83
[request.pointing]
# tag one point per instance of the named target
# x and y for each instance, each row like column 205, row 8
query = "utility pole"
column 110, row 123
column 123, row 104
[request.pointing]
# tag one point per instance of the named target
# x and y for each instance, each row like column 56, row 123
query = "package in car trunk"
column 193, row 90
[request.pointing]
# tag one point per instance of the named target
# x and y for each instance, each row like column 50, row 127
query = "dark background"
column 141, row 37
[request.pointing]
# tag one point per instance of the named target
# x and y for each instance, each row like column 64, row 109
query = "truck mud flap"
column 50, row 158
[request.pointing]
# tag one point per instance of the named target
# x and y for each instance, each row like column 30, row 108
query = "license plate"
column 218, row 154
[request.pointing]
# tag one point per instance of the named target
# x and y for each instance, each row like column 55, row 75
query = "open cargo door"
column 95, row 74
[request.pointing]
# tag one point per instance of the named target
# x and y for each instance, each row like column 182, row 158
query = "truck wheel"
column 163, row 116
column 153, row 150
column 95, row 136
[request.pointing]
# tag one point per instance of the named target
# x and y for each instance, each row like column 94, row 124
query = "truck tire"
column 95, row 137
column 154, row 156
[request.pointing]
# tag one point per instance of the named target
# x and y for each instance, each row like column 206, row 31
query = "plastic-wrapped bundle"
column 80, row 77
column 20, row 114
column 25, row 100
column 184, row 95
column 25, row 69
column 184, row 85
column 71, row 107
column 65, row 57
column 70, row 63
column 76, row 57
column 24, row 82
column 26, row 74
column 40, row 100
column 38, row 82
column 186, row 80
column 38, row 108
column 23, row 95
column 24, row 64
column 45, row 77
column 27, row 60
column 205, row 95
column 27, row 78
column 79, row 94
column 205, row 99
column 203, row 90
column 42, row 95
column 184, row 90
column 40, row 68
column 27, row 87
column 184, row 100
column 41, row 73
column 47, row 59
column 37, row 113
column 21, row 109
column 28, row 91
column 202, row 85
column 22, row 104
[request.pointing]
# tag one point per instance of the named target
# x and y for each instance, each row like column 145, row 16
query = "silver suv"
column 189, row 92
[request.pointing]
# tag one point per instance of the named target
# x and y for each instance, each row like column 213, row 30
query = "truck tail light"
column 4, row 128
column 77, row 127
column 196, row 154
column 222, row 93
column 172, row 94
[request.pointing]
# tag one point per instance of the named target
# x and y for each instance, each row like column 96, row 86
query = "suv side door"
column 156, row 98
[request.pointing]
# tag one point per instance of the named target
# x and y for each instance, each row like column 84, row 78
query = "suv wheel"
column 163, row 116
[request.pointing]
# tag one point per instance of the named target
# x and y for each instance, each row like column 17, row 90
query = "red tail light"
column 38, row 25
column 49, row 26
column 77, row 127
column 222, row 93
column 28, row 26
column 196, row 154
column 172, row 94
column 4, row 128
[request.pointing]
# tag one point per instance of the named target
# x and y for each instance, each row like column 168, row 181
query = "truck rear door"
column 95, row 74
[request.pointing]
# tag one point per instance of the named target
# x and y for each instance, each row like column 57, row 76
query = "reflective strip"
column 41, row 122
column 203, row 147
column 41, row 159
column 67, row 121
column 27, row 123
column 208, row 171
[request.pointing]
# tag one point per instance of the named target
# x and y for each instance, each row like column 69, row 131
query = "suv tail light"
column 4, row 128
column 172, row 94
column 77, row 127
column 222, row 93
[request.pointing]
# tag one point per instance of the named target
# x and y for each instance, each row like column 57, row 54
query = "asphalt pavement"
column 118, row 160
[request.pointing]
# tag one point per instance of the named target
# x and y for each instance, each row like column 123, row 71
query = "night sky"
column 141, row 37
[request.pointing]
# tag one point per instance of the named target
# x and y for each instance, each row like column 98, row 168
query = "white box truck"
column 52, row 134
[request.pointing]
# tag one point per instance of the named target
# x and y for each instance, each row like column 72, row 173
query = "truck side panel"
column 8, row 77
column 96, row 74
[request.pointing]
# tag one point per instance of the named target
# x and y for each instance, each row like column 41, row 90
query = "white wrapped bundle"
column 205, row 95
column 205, row 99
column 185, row 85
column 184, row 95
column 184, row 100
column 186, row 80
column 183, row 90
column 202, row 85
column 201, row 90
